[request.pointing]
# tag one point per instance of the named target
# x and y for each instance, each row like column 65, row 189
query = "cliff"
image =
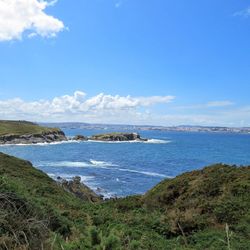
column 23, row 132
column 205, row 209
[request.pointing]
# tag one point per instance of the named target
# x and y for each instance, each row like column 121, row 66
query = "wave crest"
column 150, row 141
column 101, row 165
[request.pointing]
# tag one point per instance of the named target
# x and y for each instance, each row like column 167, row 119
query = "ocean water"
column 127, row 168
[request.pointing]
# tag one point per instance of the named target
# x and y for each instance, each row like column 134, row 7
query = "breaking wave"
column 150, row 141
column 41, row 143
column 101, row 165
column 76, row 164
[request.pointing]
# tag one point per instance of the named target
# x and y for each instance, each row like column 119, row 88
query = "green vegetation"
column 107, row 136
column 116, row 136
column 22, row 128
column 206, row 209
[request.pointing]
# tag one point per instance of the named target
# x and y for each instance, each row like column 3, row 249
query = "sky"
column 154, row 62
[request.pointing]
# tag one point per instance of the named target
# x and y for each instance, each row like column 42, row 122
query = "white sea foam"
column 41, row 143
column 157, row 141
column 101, row 165
column 142, row 172
column 75, row 164
column 84, row 178
column 56, row 143
column 150, row 141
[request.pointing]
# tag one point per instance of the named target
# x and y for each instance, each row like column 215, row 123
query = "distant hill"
column 205, row 209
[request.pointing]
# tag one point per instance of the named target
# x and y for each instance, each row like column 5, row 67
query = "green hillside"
column 211, row 197
column 207, row 209
column 22, row 128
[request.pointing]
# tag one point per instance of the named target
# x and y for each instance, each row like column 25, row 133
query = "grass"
column 22, row 128
column 108, row 136
column 206, row 209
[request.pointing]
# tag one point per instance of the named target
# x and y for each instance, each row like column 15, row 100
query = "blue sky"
column 129, row 61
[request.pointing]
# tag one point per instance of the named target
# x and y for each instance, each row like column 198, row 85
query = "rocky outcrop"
column 80, row 190
column 48, row 137
column 80, row 138
column 118, row 137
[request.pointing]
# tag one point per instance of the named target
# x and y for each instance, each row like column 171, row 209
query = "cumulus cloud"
column 79, row 107
column 104, row 108
column 20, row 16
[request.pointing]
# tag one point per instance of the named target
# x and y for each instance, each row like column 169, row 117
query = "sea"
column 118, row 169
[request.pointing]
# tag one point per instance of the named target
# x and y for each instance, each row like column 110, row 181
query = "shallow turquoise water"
column 133, row 168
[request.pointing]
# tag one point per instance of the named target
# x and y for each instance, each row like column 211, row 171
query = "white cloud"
column 103, row 108
column 148, row 101
column 220, row 104
column 19, row 16
column 52, row 2
column 243, row 13
column 206, row 106
column 78, row 107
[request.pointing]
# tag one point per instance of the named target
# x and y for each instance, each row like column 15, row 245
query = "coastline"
column 48, row 137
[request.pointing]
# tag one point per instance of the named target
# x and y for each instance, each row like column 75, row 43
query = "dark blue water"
column 133, row 168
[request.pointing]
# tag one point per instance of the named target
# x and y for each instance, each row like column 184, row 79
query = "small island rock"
column 118, row 137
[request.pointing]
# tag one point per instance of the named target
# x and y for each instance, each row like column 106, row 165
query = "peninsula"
column 24, row 132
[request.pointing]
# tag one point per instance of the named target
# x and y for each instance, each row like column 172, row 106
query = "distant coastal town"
column 181, row 128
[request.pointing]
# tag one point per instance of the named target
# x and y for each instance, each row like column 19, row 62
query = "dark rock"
column 77, row 180
column 50, row 136
column 80, row 138
column 80, row 190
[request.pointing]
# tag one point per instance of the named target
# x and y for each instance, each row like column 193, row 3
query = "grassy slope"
column 22, row 128
column 188, row 212
column 209, row 198
column 48, row 202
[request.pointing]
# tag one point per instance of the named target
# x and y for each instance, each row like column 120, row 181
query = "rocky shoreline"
column 59, row 136
column 79, row 189
column 45, row 137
